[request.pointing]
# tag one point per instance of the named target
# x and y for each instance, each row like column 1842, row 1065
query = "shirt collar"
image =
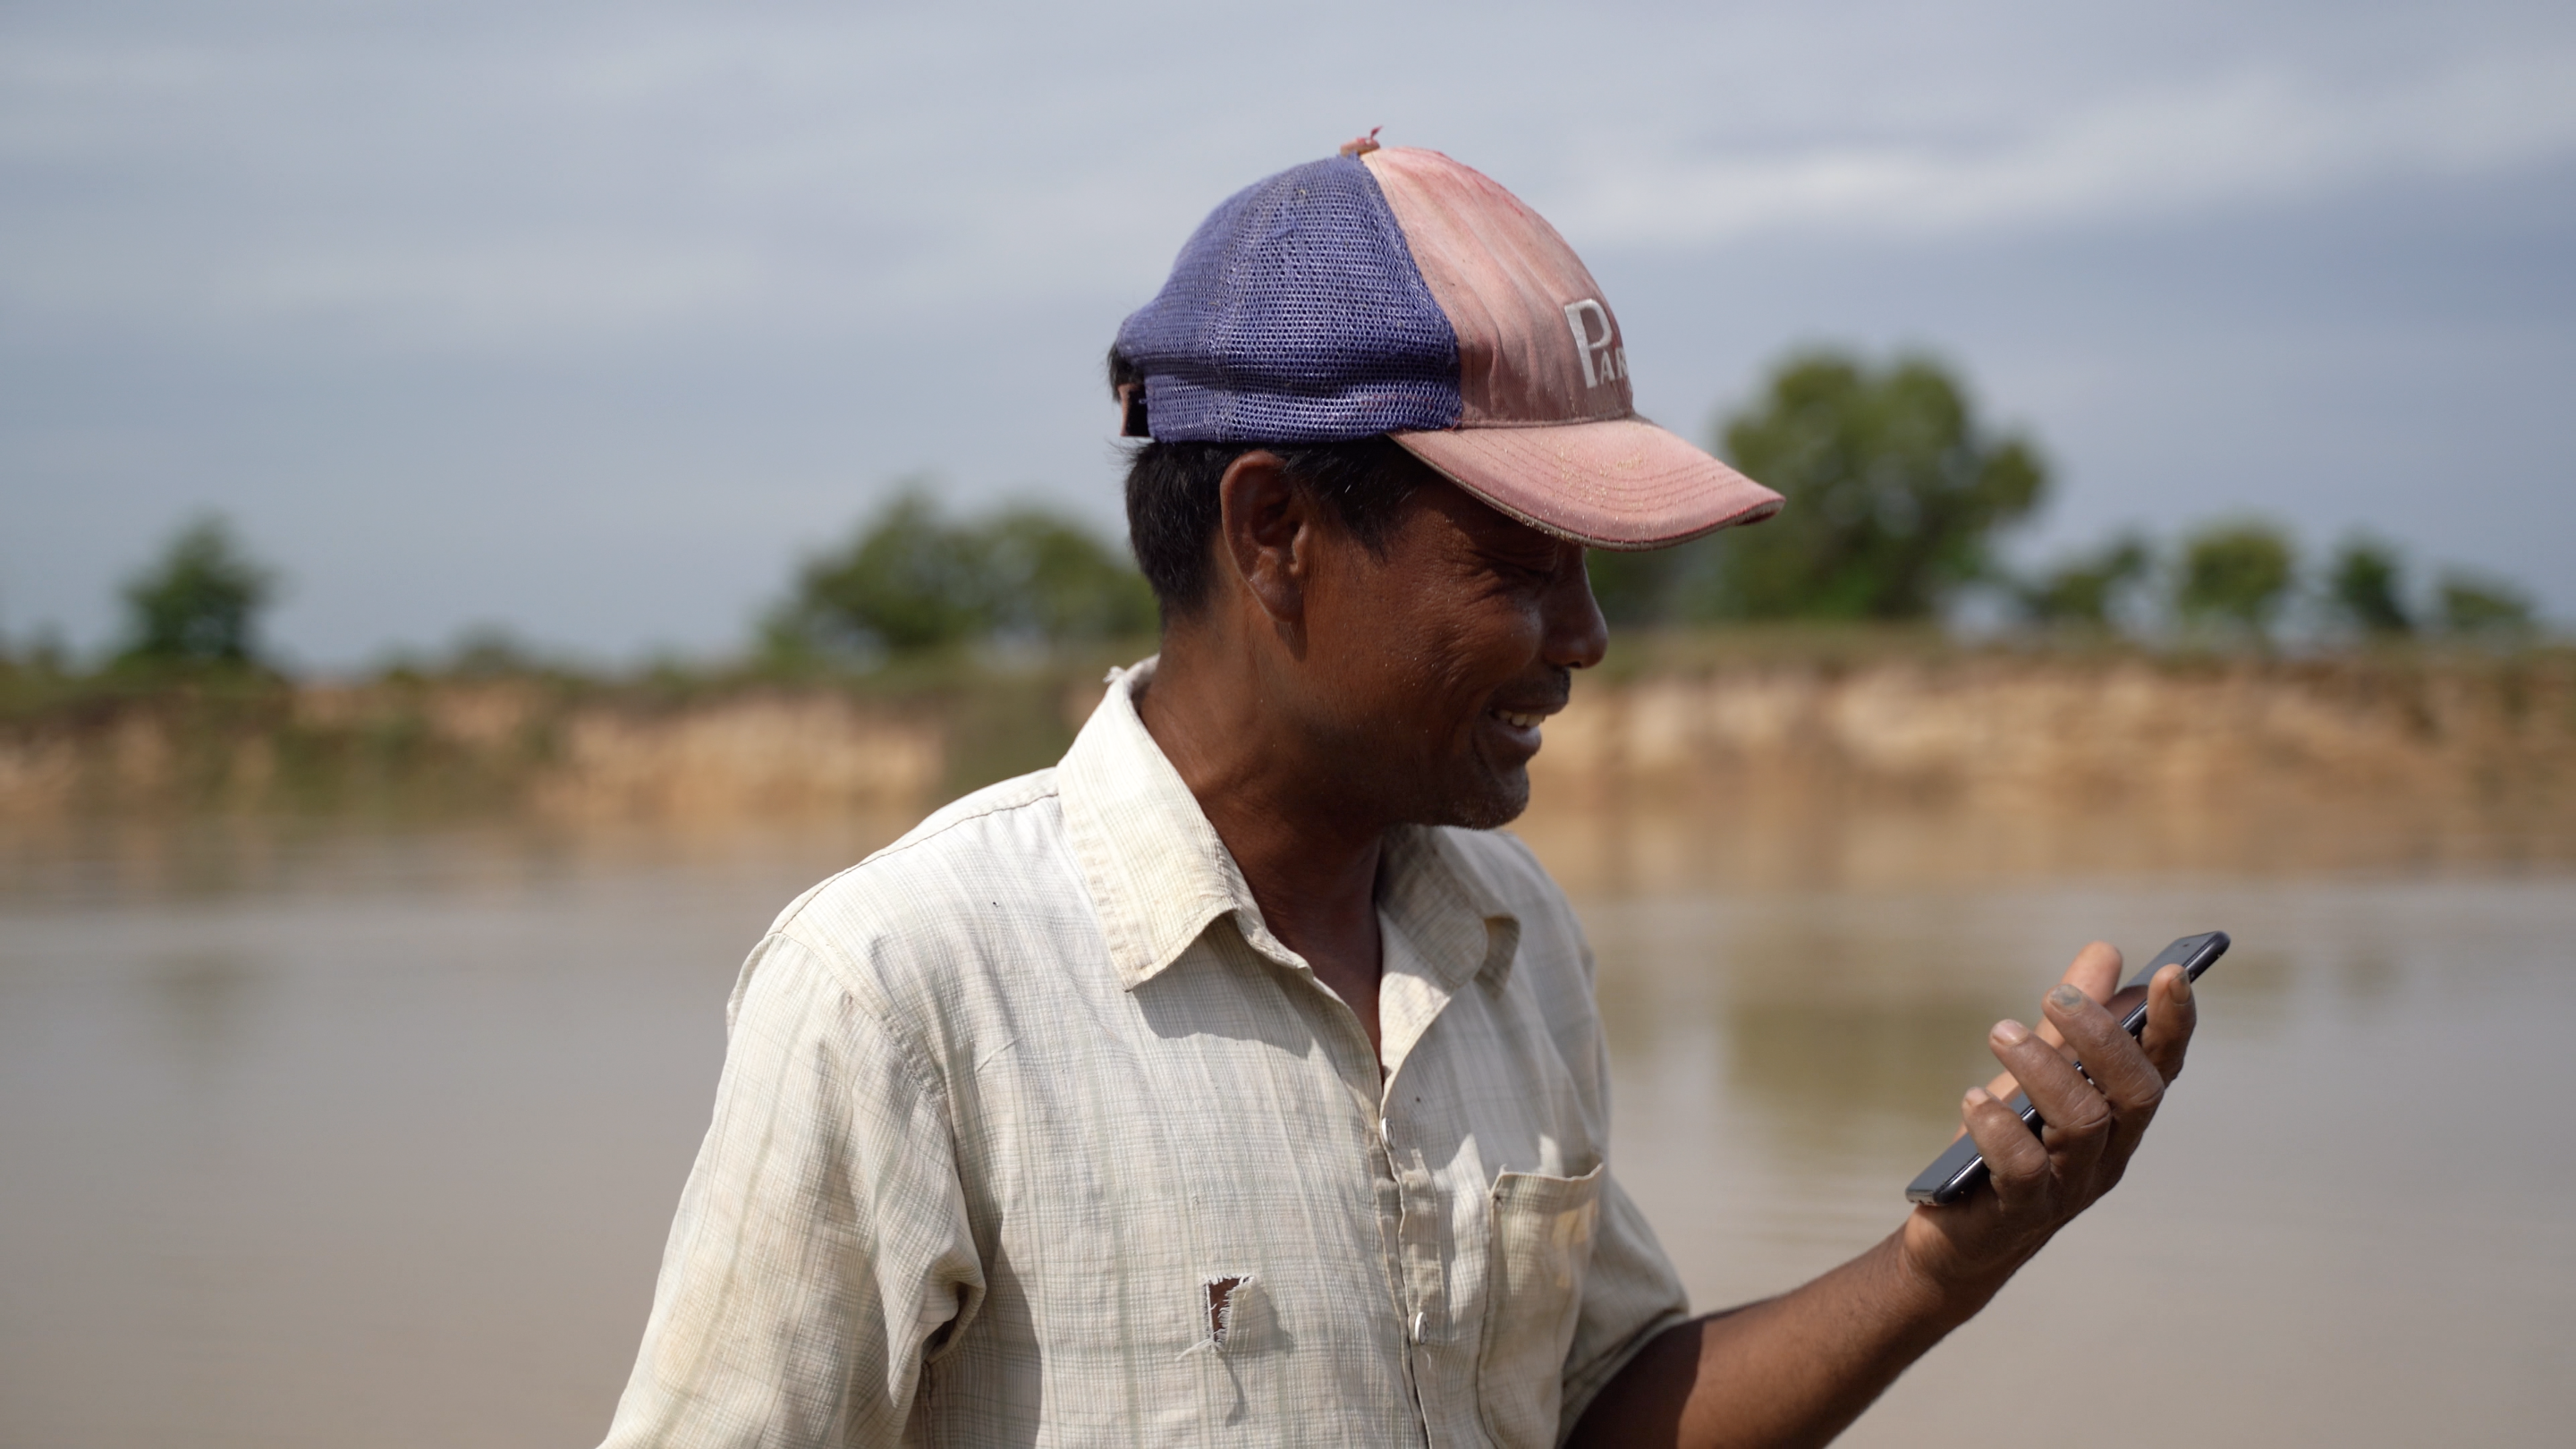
column 1159, row 875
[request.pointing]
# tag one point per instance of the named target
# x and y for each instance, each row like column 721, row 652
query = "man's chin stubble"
column 1493, row 801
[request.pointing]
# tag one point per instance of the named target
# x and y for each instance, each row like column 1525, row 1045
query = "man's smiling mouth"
column 1518, row 720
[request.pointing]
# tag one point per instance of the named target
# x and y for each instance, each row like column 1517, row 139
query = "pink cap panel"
column 1537, row 342
column 1621, row 483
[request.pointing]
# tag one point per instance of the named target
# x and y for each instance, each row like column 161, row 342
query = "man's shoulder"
column 986, row 852
column 1505, row 866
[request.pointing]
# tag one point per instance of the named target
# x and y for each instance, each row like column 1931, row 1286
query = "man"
column 1233, row 1082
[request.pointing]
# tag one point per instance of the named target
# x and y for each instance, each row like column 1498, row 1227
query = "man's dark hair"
column 1173, row 508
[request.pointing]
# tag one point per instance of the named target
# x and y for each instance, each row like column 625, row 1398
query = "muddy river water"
column 343, row 1136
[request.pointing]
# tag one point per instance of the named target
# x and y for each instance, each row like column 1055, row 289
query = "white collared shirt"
column 1030, row 1132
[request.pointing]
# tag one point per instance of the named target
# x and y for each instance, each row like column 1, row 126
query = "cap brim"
column 1622, row 484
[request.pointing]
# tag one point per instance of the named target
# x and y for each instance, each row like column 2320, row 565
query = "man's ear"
column 1266, row 530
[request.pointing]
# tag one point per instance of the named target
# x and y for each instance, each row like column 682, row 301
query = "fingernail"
column 2065, row 997
column 1979, row 1096
column 2010, row 1032
column 2182, row 987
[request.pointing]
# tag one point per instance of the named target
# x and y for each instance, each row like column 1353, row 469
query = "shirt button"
column 1418, row 1321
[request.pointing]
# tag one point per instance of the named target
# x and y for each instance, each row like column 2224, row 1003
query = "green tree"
column 199, row 603
column 1048, row 578
column 2235, row 574
column 914, row 581
column 1894, row 492
column 2086, row 590
column 2474, row 604
column 2364, row 588
column 908, row 582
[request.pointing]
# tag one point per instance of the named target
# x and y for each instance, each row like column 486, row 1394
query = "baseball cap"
column 1392, row 290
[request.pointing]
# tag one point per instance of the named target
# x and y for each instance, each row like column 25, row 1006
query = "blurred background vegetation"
column 199, row 603
column 1895, row 496
column 913, row 581
column 1900, row 500
column 994, row 627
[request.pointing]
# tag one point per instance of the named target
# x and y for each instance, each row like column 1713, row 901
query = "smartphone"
column 1956, row 1173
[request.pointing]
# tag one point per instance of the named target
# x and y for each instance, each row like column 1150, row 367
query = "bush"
column 2086, row 590
column 2235, row 575
column 913, row 582
column 2482, row 607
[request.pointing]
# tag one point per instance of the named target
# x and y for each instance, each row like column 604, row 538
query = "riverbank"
column 1751, row 717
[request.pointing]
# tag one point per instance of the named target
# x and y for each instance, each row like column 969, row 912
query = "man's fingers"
column 2096, row 971
column 2120, row 1084
column 2078, row 1118
column 2001, row 1088
column 2015, row 1160
column 2171, row 1016
column 2095, row 974
column 2118, row 1067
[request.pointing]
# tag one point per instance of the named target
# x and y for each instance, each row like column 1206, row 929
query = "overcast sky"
column 592, row 319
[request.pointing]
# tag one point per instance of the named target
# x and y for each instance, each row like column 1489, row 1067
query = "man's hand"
column 1797, row 1369
column 2039, row 1183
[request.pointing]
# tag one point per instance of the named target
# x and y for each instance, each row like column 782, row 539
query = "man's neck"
column 1310, row 859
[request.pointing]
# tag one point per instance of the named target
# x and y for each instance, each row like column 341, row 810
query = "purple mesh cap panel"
column 1295, row 314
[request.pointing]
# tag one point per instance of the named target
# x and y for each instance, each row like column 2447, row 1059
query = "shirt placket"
column 1427, row 1278
column 1420, row 1219
column 1392, row 1216
column 1400, row 1210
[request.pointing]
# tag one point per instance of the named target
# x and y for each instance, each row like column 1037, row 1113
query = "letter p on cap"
column 1580, row 316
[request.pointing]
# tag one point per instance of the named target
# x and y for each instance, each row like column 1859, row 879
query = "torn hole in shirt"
column 1225, row 1299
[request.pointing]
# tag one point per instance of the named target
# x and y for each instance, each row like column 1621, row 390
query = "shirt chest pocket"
column 1540, row 1247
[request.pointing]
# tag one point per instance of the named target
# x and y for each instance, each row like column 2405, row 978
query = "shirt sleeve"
column 821, row 1252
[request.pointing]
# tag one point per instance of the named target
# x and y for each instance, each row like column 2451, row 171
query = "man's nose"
column 1576, row 635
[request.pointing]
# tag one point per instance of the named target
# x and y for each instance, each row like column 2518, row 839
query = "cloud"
column 444, row 295
column 2242, row 140
column 480, row 178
